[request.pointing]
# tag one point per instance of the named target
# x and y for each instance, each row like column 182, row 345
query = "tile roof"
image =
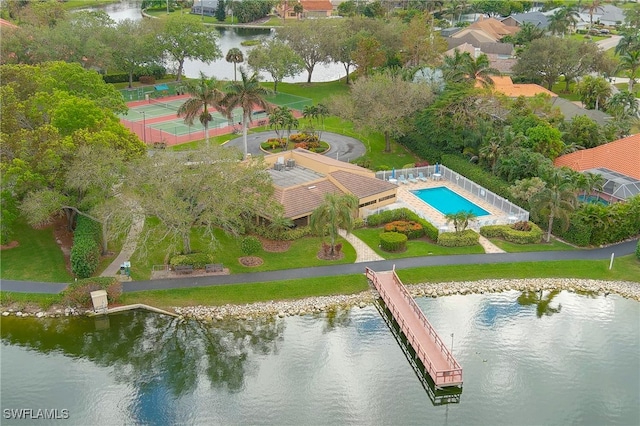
column 361, row 186
column 622, row 156
column 300, row 201
column 470, row 35
column 316, row 5
column 505, row 85
column 494, row 28
column 570, row 110
column 538, row 19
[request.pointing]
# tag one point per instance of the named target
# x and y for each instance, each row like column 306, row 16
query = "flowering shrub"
column 407, row 227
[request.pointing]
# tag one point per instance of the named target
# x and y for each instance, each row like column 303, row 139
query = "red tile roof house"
column 302, row 178
column 620, row 157
column 311, row 8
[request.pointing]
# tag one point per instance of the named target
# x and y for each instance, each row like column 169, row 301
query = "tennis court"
column 157, row 121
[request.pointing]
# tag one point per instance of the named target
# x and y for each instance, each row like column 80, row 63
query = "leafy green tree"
column 383, row 103
column 221, row 11
column 205, row 93
column 546, row 140
column 246, row 94
column 582, row 131
column 368, row 54
column 557, row 200
column 208, row 188
column 309, row 39
column 276, row 58
column 336, row 211
column 235, row 56
column 133, row 45
column 563, row 20
column 184, row 37
column 341, row 44
column 422, row 44
column 8, row 215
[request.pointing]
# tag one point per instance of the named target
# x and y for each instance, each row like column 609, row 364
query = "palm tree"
column 460, row 220
column 592, row 8
column 246, row 94
column 556, row 200
column 623, row 104
column 479, row 69
column 563, row 20
column 280, row 119
column 491, row 152
column 630, row 62
column 205, row 92
column 629, row 42
column 593, row 91
column 452, row 66
column 235, row 56
column 335, row 212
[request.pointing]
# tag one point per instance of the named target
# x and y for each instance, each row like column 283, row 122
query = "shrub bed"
column 387, row 216
column 508, row 233
column 459, row 239
column 85, row 252
column 250, row 245
column 393, row 241
column 409, row 228
column 78, row 293
column 197, row 260
column 279, row 235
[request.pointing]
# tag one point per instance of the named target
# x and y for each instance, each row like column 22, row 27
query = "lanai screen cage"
column 617, row 185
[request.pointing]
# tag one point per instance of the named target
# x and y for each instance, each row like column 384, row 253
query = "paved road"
column 344, row 148
column 337, row 270
column 609, row 43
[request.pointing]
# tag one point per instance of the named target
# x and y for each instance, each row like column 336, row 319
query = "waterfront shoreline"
column 316, row 305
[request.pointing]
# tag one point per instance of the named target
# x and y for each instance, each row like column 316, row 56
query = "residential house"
column 302, row 178
column 310, row 8
column 618, row 162
column 204, row 7
column 504, row 85
column 490, row 27
column 538, row 19
column 607, row 15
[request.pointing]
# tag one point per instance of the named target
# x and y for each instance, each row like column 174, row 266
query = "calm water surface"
column 229, row 38
column 560, row 359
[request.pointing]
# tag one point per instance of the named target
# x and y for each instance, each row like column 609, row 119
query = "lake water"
column 563, row 359
column 229, row 38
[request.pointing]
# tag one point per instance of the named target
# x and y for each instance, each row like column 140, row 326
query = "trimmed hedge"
column 278, row 235
column 507, row 233
column 477, row 174
column 638, row 250
column 78, row 293
column 578, row 232
column 197, row 260
column 379, row 219
column 459, row 239
column 85, row 253
column 250, row 245
column 393, row 241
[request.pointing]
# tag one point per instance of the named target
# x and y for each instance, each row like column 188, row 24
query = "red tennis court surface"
column 142, row 123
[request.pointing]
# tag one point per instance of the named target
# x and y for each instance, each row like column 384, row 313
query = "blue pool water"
column 593, row 200
column 446, row 201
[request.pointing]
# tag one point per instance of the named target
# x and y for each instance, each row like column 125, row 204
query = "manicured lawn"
column 44, row 301
column 250, row 293
column 554, row 245
column 560, row 87
column 626, row 268
column 37, row 258
column 371, row 236
column 301, row 254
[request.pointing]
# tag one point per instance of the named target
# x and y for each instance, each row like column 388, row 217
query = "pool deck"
column 404, row 196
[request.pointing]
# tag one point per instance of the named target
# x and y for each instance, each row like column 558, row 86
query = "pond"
column 229, row 38
column 553, row 358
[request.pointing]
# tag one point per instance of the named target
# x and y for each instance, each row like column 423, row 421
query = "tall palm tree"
column 452, row 66
column 460, row 220
column 563, row 20
column 205, row 93
column 624, row 104
column 235, row 56
column 491, row 153
column 556, row 200
column 479, row 69
column 335, row 212
column 281, row 119
column 246, row 94
column 592, row 8
column 630, row 62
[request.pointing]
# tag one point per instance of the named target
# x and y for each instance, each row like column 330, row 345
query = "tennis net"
column 164, row 104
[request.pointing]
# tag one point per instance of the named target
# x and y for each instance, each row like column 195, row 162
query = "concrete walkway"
column 488, row 246
column 364, row 253
column 129, row 246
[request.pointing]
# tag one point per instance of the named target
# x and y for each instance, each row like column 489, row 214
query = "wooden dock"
column 436, row 358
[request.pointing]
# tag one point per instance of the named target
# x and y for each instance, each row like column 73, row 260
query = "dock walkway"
column 429, row 347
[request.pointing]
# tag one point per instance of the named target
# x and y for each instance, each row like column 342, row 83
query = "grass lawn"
column 37, row 258
column 301, row 254
column 560, row 87
column 554, row 245
column 371, row 236
column 250, row 293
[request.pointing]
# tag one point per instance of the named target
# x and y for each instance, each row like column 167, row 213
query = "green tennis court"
column 291, row 101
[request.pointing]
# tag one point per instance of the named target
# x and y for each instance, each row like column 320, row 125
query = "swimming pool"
column 446, row 201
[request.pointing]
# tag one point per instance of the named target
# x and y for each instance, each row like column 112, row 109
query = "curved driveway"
column 343, row 148
column 621, row 249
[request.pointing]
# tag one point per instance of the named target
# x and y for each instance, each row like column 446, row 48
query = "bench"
column 214, row 267
column 183, row 269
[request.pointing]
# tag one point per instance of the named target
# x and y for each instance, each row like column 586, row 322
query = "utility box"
column 100, row 303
